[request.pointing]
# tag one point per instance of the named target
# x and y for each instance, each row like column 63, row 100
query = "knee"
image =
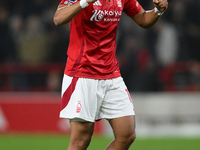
column 132, row 138
column 127, row 140
column 80, row 142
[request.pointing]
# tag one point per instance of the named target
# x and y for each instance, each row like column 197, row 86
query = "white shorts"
column 90, row 99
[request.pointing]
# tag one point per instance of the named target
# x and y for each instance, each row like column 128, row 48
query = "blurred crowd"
column 146, row 57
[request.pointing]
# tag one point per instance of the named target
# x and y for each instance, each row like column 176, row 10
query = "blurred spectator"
column 190, row 40
column 7, row 43
column 33, row 46
column 16, row 25
column 166, row 45
column 195, row 75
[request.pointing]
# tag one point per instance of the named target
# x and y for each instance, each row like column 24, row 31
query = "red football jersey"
column 91, row 51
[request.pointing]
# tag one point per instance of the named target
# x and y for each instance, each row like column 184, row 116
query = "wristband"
column 158, row 12
column 83, row 3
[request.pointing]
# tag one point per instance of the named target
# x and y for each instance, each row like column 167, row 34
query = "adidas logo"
column 97, row 3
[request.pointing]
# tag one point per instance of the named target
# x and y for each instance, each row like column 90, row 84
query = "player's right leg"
column 79, row 105
column 81, row 133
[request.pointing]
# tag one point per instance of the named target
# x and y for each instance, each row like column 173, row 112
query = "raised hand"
column 161, row 4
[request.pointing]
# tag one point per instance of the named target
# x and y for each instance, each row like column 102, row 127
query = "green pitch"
column 60, row 142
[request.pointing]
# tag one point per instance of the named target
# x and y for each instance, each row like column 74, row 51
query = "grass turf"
column 60, row 142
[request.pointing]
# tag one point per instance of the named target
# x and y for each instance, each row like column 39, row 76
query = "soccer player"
column 92, row 86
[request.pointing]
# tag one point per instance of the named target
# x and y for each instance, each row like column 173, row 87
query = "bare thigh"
column 123, row 127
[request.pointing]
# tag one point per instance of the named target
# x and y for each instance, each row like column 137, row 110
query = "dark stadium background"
column 160, row 65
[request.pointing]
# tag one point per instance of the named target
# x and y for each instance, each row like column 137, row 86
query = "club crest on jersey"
column 109, row 2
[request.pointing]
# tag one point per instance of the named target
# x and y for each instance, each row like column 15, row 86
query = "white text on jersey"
column 98, row 15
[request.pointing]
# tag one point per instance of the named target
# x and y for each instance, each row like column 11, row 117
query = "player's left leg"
column 124, row 132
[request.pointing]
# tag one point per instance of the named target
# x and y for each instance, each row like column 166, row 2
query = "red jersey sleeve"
column 132, row 7
column 68, row 2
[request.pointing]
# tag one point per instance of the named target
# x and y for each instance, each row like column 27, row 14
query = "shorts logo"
column 78, row 107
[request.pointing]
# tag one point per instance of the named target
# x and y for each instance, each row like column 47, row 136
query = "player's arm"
column 65, row 14
column 146, row 19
